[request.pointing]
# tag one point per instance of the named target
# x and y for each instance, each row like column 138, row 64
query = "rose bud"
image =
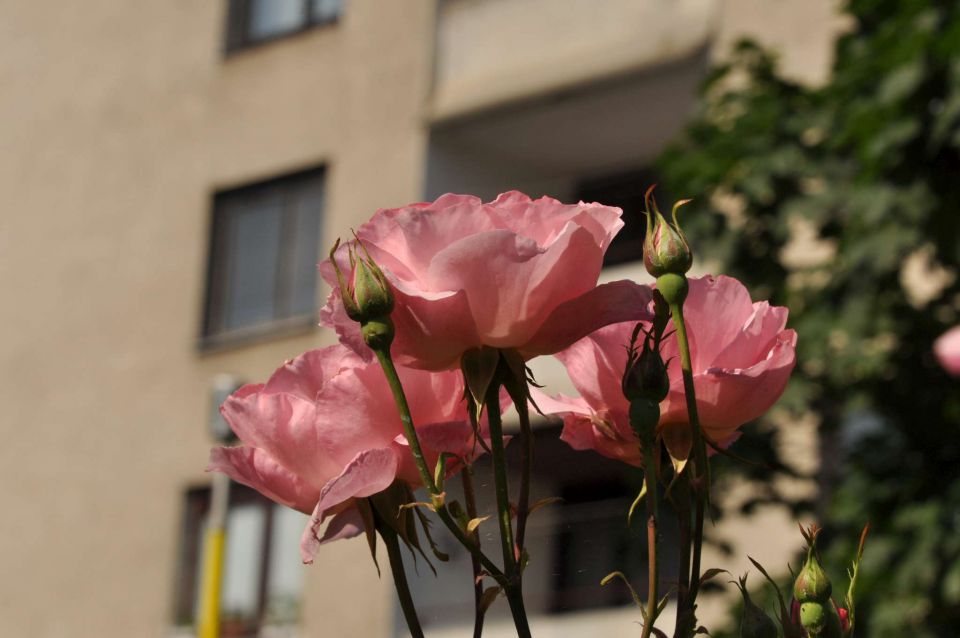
column 665, row 248
column 368, row 298
column 368, row 295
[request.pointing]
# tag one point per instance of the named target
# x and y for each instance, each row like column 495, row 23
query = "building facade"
column 175, row 169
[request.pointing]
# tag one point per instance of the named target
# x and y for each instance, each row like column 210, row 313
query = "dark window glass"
column 250, row 22
column 624, row 190
column 263, row 255
column 263, row 574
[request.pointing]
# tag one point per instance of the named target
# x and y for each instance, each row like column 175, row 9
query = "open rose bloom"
column 742, row 357
column 324, row 431
column 512, row 273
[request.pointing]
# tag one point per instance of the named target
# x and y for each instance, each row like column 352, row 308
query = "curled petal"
column 370, row 472
column 346, row 524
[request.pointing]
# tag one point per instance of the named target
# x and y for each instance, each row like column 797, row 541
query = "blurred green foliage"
column 820, row 199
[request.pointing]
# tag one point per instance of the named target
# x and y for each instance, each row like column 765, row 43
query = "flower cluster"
column 438, row 306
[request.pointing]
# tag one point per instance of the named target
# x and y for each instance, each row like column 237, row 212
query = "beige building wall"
column 118, row 121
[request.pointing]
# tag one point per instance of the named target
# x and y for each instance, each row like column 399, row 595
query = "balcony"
column 495, row 52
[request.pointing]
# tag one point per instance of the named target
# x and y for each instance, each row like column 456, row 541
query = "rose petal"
column 257, row 469
column 606, row 304
column 370, row 472
column 346, row 524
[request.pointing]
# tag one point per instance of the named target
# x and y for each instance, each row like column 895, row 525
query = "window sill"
column 280, row 329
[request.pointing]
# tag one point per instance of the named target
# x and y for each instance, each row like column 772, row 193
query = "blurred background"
column 174, row 170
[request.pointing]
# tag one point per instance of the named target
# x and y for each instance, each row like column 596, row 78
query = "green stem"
column 400, row 580
column 393, row 379
column 653, row 573
column 526, row 442
column 701, row 480
column 681, row 503
column 469, row 497
column 513, row 588
column 697, row 548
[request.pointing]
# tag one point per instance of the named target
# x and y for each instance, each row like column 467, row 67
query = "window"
column 263, row 258
column 251, row 22
column 263, row 573
column 626, row 191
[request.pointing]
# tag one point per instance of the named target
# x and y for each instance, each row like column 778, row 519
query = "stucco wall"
column 118, row 122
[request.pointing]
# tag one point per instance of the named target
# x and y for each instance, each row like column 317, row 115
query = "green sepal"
column 369, row 528
column 479, row 366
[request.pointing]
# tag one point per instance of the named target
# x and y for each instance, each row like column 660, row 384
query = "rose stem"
column 393, row 379
column 523, row 502
column 469, row 497
column 513, row 586
column 400, row 580
column 653, row 574
column 701, row 482
column 681, row 503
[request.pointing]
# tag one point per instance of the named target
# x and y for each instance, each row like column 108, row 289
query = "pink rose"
column 324, row 430
column 947, row 349
column 513, row 273
column 742, row 358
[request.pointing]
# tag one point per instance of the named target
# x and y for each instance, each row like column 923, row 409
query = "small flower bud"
column 665, row 248
column 754, row 622
column 367, row 296
column 812, row 583
column 646, row 374
column 844, row 619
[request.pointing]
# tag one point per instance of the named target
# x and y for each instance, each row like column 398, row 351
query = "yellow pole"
column 208, row 625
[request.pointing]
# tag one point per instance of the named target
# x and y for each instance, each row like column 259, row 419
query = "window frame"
column 213, row 336
column 237, row 31
column 196, row 506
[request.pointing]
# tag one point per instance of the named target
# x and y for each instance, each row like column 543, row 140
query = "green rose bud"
column 368, row 295
column 812, row 589
column 646, row 374
column 812, row 583
column 665, row 248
